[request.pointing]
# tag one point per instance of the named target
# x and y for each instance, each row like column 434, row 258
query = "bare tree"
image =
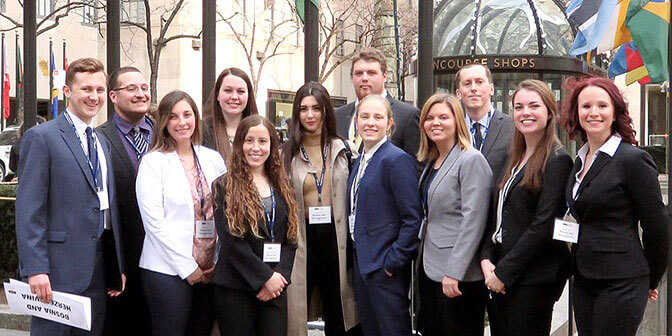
column 262, row 35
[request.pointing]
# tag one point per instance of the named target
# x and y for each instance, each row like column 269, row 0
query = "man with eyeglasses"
column 129, row 132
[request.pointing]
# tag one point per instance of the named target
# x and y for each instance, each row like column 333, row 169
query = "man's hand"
column 40, row 285
column 450, row 288
column 115, row 293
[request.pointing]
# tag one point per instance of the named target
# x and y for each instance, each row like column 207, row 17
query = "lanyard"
column 199, row 186
column 94, row 171
column 357, row 182
column 319, row 183
column 486, row 128
column 270, row 215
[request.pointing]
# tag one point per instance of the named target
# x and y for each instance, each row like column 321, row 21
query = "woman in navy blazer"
column 385, row 215
column 520, row 260
column 613, row 187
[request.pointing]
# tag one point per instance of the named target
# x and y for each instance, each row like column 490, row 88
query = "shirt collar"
column 125, row 126
column 369, row 154
column 485, row 121
column 608, row 147
column 80, row 125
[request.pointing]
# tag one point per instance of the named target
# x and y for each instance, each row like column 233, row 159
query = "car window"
column 8, row 137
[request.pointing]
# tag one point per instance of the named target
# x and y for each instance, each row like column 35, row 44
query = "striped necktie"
column 139, row 141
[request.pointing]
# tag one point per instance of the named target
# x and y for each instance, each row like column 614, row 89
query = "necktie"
column 478, row 137
column 139, row 141
column 93, row 155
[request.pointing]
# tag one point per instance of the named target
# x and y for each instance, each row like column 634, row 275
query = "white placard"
column 205, row 229
column 319, row 215
column 69, row 309
column 271, row 252
column 566, row 231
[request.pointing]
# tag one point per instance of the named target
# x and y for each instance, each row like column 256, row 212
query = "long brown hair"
column 214, row 116
column 428, row 150
column 161, row 139
column 549, row 143
column 243, row 206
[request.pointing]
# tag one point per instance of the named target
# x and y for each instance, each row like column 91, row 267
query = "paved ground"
column 7, row 332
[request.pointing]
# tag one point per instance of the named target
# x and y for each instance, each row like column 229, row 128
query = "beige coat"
column 297, row 302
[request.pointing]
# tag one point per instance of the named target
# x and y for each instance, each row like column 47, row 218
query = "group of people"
column 182, row 226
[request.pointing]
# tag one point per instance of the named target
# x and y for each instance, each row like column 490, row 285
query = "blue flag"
column 54, row 91
column 592, row 19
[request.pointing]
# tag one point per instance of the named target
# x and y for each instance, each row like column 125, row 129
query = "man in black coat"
column 129, row 132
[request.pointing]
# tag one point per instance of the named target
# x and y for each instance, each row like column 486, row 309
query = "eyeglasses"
column 133, row 88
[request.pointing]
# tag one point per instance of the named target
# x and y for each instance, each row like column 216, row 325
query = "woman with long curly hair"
column 612, row 192
column 256, row 214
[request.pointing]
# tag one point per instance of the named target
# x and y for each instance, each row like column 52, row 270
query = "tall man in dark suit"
column 369, row 74
column 129, row 132
column 66, row 208
column 490, row 132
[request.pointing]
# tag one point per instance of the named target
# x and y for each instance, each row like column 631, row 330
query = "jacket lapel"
column 493, row 131
column 110, row 131
column 73, row 143
column 515, row 182
column 600, row 161
column 452, row 157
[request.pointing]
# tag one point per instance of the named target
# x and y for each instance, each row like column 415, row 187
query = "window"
column 3, row 5
column 89, row 13
column 44, row 7
column 133, row 11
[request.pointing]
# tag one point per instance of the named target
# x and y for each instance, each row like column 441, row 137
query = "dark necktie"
column 93, row 155
column 139, row 141
column 478, row 137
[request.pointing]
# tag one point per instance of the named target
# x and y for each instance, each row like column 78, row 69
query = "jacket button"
column 94, row 238
column 96, row 209
column 335, row 194
column 338, row 221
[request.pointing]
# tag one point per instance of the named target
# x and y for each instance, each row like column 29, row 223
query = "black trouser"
column 322, row 271
column 612, row 307
column 459, row 316
column 128, row 313
column 177, row 308
column 240, row 313
column 526, row 310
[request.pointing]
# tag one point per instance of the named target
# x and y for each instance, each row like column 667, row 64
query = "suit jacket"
column 496, row 146
column 406, row 132
column 528, row 254
column 57, row 210
column 388, row 210
column 167, row 209
column 129, row 215
column 240, row 264
column 615, row 194
column 455, row 220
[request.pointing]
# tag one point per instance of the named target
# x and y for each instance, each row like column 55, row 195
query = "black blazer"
column 132, row 230
column 240, row 264
column 615, row 194
column 528, row 254
column 406, row 132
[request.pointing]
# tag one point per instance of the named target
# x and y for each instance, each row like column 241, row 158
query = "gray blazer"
column 496, row 146
column 456, row 215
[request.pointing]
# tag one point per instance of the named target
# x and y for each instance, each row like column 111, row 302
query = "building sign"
column 513, row 63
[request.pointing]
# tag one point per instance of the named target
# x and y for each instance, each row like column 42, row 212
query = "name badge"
column 103, row 199
column 351, row 222
column 271, row 252
column 205, row 229
column 566, row 230
column 319, row 215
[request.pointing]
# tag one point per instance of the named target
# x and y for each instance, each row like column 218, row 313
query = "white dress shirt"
column 608, row 148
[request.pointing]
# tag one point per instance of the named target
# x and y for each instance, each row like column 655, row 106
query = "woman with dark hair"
column 612, row 192
column 317, row 161
column 521, row 262
column 175, row 202
column 257, row 216
column 231, row 100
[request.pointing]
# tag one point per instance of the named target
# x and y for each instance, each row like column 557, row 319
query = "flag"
column 592, row 17
column 54, row 91
column 628, row 61
column 648, row 22
column 5, row 84
column 615, row 33
column 65, row 71
column 301, row 8
column 19, row 76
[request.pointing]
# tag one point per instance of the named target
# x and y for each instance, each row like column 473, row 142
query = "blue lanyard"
column 199, row 176
column 94, row 172
column 270, row 215
column 319, row 183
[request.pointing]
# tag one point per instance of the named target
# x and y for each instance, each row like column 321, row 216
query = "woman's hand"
column 273, row 287
column 653, row 294
column 207, row 274
column 195, row 277
column 450, row 287
column 494, row 284
column 487, row 267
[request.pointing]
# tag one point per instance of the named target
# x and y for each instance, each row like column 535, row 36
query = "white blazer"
column 167, row 209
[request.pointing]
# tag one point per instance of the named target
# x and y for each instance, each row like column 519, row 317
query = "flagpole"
column 669, row 173
column 51, row 76
column 2, row 103
column 65, row 61
column 17, row 79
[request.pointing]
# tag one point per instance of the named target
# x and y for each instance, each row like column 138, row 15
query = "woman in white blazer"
column 173, row 189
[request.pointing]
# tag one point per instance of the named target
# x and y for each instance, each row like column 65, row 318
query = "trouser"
column 177, row 308
column 611, row 307
column 240, row 313
column 322, row 272
column 458, row 316
column 526, row 310
column 128, row 313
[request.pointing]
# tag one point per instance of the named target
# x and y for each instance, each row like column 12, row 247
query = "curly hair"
column 622, row 124
column 243, row 205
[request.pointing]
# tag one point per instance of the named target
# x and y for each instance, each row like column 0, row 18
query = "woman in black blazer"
column 613, row 186
column 256, row 216
column 521, row 262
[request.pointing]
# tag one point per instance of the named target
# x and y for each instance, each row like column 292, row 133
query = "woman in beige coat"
column 320, row 266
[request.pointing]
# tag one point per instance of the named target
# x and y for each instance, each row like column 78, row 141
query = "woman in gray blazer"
column 455, row 186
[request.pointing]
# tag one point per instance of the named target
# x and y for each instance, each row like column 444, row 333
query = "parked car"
column 7, row 138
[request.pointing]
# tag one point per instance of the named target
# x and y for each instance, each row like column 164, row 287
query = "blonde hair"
column 386, row 104
column 427, row 150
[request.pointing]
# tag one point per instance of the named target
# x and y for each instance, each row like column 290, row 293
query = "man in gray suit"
column 490, row 130
column 369, row 74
